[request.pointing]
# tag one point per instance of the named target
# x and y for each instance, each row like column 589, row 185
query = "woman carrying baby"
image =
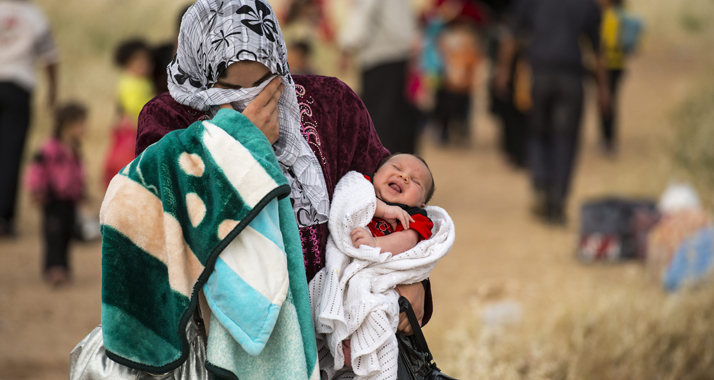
column 231, row 56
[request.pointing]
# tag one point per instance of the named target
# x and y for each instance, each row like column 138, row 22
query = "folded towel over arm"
column 206, row 208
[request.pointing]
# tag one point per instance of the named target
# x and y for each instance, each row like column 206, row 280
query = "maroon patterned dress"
column 336, row 125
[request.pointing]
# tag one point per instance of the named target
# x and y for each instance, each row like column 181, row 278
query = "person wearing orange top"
column 459, row 48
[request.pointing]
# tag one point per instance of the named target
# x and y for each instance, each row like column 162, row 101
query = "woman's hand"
column 416, row 295
column 263, row 110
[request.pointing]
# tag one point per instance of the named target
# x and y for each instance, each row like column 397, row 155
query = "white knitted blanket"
column 353, row 297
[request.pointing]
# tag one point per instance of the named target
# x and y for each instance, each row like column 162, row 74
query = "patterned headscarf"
column 216, row 33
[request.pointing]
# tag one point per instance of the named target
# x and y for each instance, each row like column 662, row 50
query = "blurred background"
column 605, row 277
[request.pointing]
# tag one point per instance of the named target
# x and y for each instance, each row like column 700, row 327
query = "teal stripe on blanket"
column 126, row 275
column 151, row 347
column 268, row 226
column 225, row 291
column 281, row 359
column 298, row 280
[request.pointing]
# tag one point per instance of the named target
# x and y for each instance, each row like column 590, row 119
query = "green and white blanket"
column 206, row 208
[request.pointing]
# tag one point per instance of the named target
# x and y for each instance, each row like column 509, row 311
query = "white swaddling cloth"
column 353, row 296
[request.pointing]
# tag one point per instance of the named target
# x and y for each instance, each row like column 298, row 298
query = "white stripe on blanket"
column 353, row 296
column 252, row 272
column 238, row 166
column 250, row 256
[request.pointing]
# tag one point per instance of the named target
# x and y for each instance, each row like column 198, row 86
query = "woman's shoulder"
column 161, row 115
column 164, row 102
column 310, row 80
column 324, row 87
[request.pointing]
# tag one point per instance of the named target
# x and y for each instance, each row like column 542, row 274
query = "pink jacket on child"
column 56, row 173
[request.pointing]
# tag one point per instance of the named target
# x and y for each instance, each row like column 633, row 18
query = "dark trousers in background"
column 383, row 93
column 554, row 132
column 451, row 113
column 14, row 123
column 514, row 129
column 58, row 229
column 609, row 120
column 515, row 135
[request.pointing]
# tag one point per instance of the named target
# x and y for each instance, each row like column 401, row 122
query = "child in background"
column 300, row 58
column 458, row 45
column 620, row 34
column 55, row 179
column 135, row 87
column 134, row 90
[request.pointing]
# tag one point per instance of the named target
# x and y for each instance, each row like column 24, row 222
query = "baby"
column 403, row 185
column 380, row 237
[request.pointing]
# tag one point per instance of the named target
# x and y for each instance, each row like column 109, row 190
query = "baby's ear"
column 422, row 205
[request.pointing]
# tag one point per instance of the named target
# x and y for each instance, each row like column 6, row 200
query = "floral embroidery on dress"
column 315, row 248
column 308, row 238
column 303, row 241
column 313, row 256
column 308, row 126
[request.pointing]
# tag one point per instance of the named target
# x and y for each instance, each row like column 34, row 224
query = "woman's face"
column 243, row 74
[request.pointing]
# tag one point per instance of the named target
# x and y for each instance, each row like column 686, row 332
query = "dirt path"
column 500, row 252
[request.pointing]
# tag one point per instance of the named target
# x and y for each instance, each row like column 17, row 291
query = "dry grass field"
column 511, row 300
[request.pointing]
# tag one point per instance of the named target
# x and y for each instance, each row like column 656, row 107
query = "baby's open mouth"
column 395, row 187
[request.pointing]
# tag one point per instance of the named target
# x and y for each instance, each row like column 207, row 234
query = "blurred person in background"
column 300, row 58
column 305, row 20
column 134, row 90
column 306, row 35
column 441, row 80
column 55, row 179
column 302, row 18
column 620, row 36
column 458, row 44
column 450, row 58
column 25, row 39
column 554, row 29
column 382, row 36
column 512, row 107
column 162, row 55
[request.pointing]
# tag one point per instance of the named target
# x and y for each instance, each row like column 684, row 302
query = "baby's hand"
column 361, row 236
column 394, row 213
column 347, row 352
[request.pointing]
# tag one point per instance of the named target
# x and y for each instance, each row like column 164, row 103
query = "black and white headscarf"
column 217, row 33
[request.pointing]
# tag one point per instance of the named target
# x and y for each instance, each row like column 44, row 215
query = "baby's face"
column 403, row 179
